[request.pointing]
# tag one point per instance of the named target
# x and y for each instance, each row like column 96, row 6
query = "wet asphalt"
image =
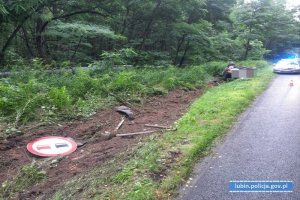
column 263, row 145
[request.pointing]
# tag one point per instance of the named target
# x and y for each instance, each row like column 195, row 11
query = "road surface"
column 263, row 145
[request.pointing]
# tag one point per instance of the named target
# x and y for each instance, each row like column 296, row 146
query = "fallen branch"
column 157, row 126
column 137, row 133
column 120, row 124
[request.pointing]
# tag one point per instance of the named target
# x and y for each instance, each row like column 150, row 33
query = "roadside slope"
column 263, row 146
column 159, row 164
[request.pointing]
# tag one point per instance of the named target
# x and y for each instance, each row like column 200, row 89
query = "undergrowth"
column 41, row 96
column 159, row 164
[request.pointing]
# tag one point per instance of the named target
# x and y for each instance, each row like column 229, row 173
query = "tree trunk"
column 77, row 47
column 14, row 33
column 248, row 47
column 180, row 42
column 9, row 40
column 148, row 27
column 184, row 54
column 26, row 40
column 2, row 62
column 40, row 27
column 125, row 21
column 131, row 31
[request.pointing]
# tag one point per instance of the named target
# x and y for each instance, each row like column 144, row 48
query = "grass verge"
column 28, row 176
column 159, row 164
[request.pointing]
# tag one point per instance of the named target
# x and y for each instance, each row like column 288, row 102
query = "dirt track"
column 163, row 110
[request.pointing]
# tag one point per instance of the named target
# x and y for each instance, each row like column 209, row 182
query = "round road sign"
column 52, row 146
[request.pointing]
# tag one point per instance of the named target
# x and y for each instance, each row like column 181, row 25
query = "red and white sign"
column 52, row 146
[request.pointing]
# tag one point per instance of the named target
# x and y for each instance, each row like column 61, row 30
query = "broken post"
column 120, row 124
column 157, row 126
column 137, row 133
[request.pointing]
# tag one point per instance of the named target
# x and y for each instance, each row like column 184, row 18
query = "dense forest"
column 153, row 32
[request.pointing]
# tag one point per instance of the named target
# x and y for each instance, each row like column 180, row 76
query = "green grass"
column 28, row 176
column 157, row 166
column 40, row 97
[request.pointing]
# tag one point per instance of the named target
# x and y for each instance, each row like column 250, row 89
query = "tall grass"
column 42, row 96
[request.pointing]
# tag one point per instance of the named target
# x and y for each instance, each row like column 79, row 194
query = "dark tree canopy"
column 177, row 32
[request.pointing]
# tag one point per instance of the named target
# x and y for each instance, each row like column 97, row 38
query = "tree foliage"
column 159, row 31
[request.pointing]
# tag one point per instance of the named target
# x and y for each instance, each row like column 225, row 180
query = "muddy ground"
column 96, row 149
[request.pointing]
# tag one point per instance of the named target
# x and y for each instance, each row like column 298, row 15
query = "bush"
column 19, row 101
column 60, row 98
column 40, row 95
column 215, row 68
column 127, row 82
column 9, row 99
column 81, row 84
column 193, row 76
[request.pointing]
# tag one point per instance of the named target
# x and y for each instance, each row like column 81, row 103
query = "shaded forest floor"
column 96, row 149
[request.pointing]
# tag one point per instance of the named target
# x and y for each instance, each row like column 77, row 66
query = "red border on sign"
column 31, row 150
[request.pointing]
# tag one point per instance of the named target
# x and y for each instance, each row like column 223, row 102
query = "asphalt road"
column 263, row 145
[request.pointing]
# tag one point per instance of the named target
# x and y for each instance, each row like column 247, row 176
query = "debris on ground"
column 120, row 124
column 125, row 111
column 157, row 126
column 136, row 133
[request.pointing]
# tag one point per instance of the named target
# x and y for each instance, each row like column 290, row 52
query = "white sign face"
column 52, row 146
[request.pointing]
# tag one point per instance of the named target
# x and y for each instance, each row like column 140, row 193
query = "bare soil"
column 96, row 149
